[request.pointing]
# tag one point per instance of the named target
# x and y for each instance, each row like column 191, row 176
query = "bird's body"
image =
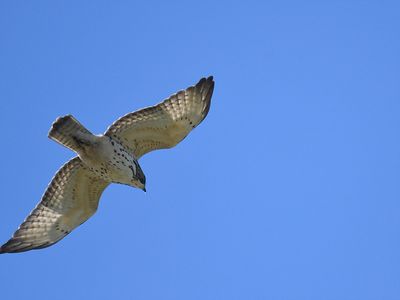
column 73, row 194
column 103, row 155
column 113, row 162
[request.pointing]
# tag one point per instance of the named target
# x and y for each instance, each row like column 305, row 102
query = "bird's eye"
column 133, row 172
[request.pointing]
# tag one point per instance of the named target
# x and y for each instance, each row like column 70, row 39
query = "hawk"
column 72, row 196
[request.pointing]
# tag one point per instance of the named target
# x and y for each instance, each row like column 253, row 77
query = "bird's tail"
column 69, row 132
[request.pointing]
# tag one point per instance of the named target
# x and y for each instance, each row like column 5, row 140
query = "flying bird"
column 72, row 196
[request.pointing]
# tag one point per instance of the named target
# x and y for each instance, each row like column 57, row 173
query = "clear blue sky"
column 288, row 190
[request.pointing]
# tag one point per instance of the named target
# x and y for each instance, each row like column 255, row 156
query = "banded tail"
column 69, row 132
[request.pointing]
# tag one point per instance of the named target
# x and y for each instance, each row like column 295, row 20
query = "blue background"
column 288, row 190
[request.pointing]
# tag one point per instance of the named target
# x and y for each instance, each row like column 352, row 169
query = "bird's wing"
column 70, row 199
column 165, row 124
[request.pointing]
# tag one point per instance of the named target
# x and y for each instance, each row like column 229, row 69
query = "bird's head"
column 139, row 179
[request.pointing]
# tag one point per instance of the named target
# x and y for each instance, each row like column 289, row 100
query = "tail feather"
column 65, row 131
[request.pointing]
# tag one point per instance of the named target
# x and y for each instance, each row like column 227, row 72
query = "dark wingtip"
column 209, row 79
column 10, row 246
column 206, row 84
column 6, row 247
column 15, row 246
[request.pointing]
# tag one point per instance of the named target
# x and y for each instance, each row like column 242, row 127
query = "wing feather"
column 165, row 124
column 70, row 199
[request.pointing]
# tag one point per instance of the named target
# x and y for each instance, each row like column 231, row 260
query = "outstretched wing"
column 165, row 124
column 70, row 199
